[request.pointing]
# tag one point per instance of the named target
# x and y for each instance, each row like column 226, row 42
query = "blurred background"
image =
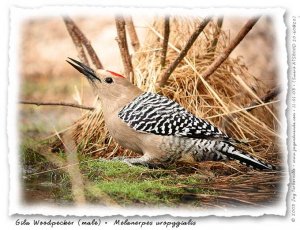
column 47, row 77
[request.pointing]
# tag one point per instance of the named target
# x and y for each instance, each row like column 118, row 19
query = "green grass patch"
column 135, row 185
column 97, row 170
column 137, row 192
column 126, row 185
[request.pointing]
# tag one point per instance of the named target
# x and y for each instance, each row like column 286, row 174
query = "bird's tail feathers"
column 231, row 152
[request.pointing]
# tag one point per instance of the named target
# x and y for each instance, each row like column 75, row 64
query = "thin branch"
column 84, row 41
column 76, row 40
column 89, row 48
column 166, row 35
column 222, row 57
column 122, row 42
column 270, row 95
column 37, row 103
column 132, row 33
column 166, row 74
column 217, row 34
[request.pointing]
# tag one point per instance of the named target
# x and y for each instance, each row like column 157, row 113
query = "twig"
column 166, row 74
column 84, row 41
column 217, row 196
column 37, row 103
column 216, row 35
column 122, row 42
column 271, row 94
column 76, row 40
column 222, row 57
column 132, row 33
column 166, row 35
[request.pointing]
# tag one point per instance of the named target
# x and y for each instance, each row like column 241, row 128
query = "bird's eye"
column 108, row 80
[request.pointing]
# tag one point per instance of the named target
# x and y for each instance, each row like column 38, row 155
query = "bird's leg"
column 144, row 161
column 119, row 158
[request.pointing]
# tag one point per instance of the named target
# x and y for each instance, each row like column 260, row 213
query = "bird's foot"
column 119, row 158
column 103, row 159
column 141, row 161
column 128, row 161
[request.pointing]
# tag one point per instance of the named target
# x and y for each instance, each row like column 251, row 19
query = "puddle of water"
column 44, row 189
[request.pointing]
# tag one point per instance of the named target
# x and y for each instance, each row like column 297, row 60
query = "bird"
column 158, row 128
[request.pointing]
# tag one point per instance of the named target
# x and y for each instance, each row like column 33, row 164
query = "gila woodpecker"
column 157, row 127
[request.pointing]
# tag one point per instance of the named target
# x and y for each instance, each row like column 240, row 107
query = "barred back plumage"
column 156, row 126
column 156, row 114
column 153, row 113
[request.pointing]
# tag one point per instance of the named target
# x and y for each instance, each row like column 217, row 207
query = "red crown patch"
column 115, row 74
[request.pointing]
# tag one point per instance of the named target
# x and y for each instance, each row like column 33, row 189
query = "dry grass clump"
column 221, row 98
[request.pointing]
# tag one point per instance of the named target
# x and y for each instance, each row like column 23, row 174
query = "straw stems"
column 132, row 33
column 122, row 42
column 166, row 74
column 37, row 103
column 80, row 41
column 224, row 55
column 76, row 177
column 270, row 95
column 166, row 35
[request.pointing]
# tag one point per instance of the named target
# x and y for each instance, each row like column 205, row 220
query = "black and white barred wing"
column 153, row 113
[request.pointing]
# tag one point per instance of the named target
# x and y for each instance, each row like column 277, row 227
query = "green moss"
column 134, row 185
column 134, row 192
column 127, row 185
column 100, row 169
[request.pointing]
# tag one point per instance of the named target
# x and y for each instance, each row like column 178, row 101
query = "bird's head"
column 106, row 84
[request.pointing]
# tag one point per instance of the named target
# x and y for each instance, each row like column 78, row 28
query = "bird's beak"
column 84, row 69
